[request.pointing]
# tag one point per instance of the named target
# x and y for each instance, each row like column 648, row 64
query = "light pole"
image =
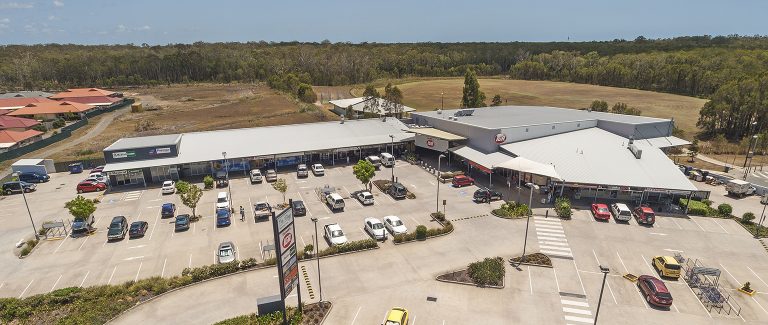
column 752, row 148
column 760, row 224
column 23, row 191
column 527, row 221
column 490, row 177
column 229, row 188
column 437, row 200
column 317, row 257
column 605, row 271
column 749, row 133
column 392, row 143
column 442, row 106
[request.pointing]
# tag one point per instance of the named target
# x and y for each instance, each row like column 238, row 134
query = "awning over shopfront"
column 440, row 134
column 489, row 161
column 528, row 166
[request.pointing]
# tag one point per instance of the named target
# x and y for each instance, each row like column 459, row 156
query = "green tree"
column 364, row 171
column 599, row 106
column 208, row 181
column 80, row 207
column 370, row 91
column 496, row 101
column 563, row 207
column 693, row 150
column 394, row 100
column 747, row 217
column 371, row 98
column 191, row 197
column 306, row 93
column 182, row 187
column 472, row 96
column 724, row 209
column 281, row 186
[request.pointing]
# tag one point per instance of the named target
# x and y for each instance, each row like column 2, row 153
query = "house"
column 362, row 105
column 13, row 103
column 52, row 110
column 10, row 140
column 26, row 94
column 91, row 96
column 13, row 123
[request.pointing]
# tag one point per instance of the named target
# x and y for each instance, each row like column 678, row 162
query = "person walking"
column 242, row 213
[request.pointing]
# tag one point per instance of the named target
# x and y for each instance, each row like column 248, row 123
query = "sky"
column 158, row 22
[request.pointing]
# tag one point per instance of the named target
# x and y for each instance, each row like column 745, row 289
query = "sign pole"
column 278, row 252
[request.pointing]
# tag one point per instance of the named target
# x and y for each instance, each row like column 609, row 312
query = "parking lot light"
column 605, row 271
column 437, row 200
column 760, row 224
column 392, row 143
column 527, row 221
column 24, row 195
column 229, row 187
column 317, row 257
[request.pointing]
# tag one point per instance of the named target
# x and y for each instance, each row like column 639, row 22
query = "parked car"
column 334, row 235
column 621, row 212
column 226, row 252
column 739, row 188
column 462, row 180
column 365, row 197
column 98, row 178
column 335, row 202
column 485, row 195
column 397, row 190
column 667, row 266
column 32, row 177
column 655, row 291
column 167, row 210
column 82, row 227
column 374, row 160
column 223, row 217
column 375, row 228
column 644, row 215
column 98, row 169
column 397, row 316
column 222, row 201
column 395, row 225
column 261, row 211
column 117, row 228
column 222, row 179
column 18, row 187
column 600, row 211
column 302, row 171
column 182, row 222
column 90, row 186
column 298, row 208
column 169, row 187
column 75, row 168
column 256, row 176
column 271, row 175
column 138, row 229
column 387, row 160
column 318, row 170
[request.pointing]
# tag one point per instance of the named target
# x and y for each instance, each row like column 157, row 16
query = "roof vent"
column 464, row 112
column 635, row 150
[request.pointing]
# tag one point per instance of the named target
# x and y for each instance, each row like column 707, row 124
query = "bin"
column 76, row 168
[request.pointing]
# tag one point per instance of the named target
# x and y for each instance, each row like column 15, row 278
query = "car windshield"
column 114, row 225
column 302, row 168
column 391, row 322
column 222, row 213
column 673, row 266
column 602, row 210
column 649, row 214
column 397, row 223
column 181, row 219
column 664, row 295
column 337, row 233
column 624, row 213
column 377, row 226
column 135, row 226
column 167, row 184
column 367, row 196
column 222, row 200
column 261, row 206
column 225, row 252
column 167, row 207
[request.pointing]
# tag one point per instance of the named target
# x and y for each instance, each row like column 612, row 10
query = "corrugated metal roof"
column 28, row 161
column 25, row 94
column 440, row 134
column 664, row 142
column 596, row 156
column 144, row 142
column 489, row 161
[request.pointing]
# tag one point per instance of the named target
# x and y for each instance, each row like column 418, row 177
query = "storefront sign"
column 285, row 240
column 432, row 143
column 123, row 154
column 500, row 138
column 159, row 151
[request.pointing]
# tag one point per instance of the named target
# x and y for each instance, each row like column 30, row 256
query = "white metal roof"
column 437, row 133
column 664, row 142
column 144, row 142
column 28, row 161
column 358, row 104
column 596, row 156
column 501, row 160
column 489, row 161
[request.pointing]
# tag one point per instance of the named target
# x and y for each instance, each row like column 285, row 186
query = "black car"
column 117, row 228
column 221, row 179
column 138, row 229
column 397, row 191
column 298, row 208
column 17, row 187
column 82, row 227
column 485, row 195
column 32, row 177
column 182, row 222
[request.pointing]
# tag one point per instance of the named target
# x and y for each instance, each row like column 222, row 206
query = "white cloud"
column 51, row 17
column 16, row 5
column 58, row 3
column 121, row 28
column 145, row 27
column 126, row 29
column 4, row 20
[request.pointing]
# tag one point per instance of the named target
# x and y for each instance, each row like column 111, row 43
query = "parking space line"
column 700, row 227
column 677, row 224
column 137, row 272
column 162, row 273
column 584, row 291
column 645, row 261
column 190, row 261
column 357, row 313
column 25, row 289
column 530, row 282
column 62, row 243
column 721, row 227
column 758, row 277
column 154, row 225
column 556, row 282
column 622, row 262
column 85, row 277
column 113, row 274
column 55, row 283
column 414, row 220
column 83, row 243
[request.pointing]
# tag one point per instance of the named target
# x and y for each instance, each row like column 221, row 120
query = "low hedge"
column 489, row 271
column 276, row 318
column 431, row 232
column 352, row 246
column 512, row 209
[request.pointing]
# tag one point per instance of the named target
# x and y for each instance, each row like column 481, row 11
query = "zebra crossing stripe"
column 542, row 237
column 544, row 242
column 555, row 248
column 574, row 303
column 579, row 319
column 577, row 311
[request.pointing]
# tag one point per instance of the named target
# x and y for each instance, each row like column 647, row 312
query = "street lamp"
column 749, row 133
column 490, row 177
column 760, row 224
column 392, row 143
column 605, row 271
column 752, row 148
column 23, row 191
column 229, row 188
column 527, row 220
column 317, row 257
column 442, row 106
column 437, row 200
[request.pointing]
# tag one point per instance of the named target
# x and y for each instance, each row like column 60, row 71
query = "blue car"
column 168, row 210
column 223, row 218
column 182, row 222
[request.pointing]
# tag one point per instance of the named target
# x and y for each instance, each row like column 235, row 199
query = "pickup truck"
column 261, row 211
column 335, row 201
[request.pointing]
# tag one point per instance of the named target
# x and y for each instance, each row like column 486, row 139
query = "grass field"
column 425, row 95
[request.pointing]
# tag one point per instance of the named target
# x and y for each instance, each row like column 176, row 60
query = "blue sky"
column 187, row 21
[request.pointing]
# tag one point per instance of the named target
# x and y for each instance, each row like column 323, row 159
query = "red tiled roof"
column 92, row 100
column 9, row 122
column 82, row 92
column 52, row 107
column 17, row 102
column 16, row 136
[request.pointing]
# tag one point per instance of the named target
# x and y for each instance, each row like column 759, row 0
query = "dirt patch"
column 461, row 276
column 535, row 259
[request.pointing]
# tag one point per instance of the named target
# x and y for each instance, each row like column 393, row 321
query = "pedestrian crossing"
column 576, row 310
column 761, row 174
column 132, row 196
column 551, row 236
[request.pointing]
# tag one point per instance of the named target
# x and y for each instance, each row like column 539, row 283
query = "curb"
column 30, row 251
column 425, row 239
column 503, row 281
column 536, row 265
column 327, row 313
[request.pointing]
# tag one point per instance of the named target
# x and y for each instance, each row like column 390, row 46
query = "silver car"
column 226, row 252
column 271, row 175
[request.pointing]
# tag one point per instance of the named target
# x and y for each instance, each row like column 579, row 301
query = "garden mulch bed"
column 535, row 259
column 314, row 314
column 460, row 276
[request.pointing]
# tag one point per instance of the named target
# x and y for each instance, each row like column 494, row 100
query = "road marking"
column 645, row 261
column 541, row 233
column 574, row 303
column 555, row 248
column 357, row 313
column 133, row 258
column 556, row 282
column 162, row 273
column 530, row 282
column 577, row 311
column 721, row 227
column 677, row 224
column 554, row 243
column 414, row 321
column 622, row 262
column 541, row 225
column 137, row 272
column 758, row 277
column 658, row 234
column 699, row 301
column 673, row 250
column 324, row 218
column 579, row 319
column 113, row 274
column 55, row 283
column 551, row 238
column 540, row 228
column 139, row 246
column 62, row 243
column 154, row 225
column 85, row 277
column 25, row 289
column 83, row 243
column 584, row 291
column 414, row 220
column 190, row 261
column 700, row 227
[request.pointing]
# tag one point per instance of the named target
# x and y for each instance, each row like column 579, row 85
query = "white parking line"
column 190, row 261
column 62, row 243
column 700, row 227
column 530, row 282
column 677, row 224
column 584, row 291
column 737, row 281
column 357, row 313
column 85, row 277
column 83, row 243
column 25, row 289
column 556, row 282
column 577, row 311
column 622, row 262
column 758, row 277
column 645, row 261
column 55, row 283
column 162, row 273
column 154, row 225
column 721, row 227
column 415, row 221
column 542, row 233
column 555, row 248
column 137, row 272
column 113, row 274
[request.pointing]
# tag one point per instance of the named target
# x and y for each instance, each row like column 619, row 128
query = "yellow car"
column 667, row 266
column 397, row 316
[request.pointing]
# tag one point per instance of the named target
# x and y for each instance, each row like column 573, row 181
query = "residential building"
column 52, row 110
column 13, row 123
column 10, row 140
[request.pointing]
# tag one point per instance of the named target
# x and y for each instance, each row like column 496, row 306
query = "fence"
column 63, row 166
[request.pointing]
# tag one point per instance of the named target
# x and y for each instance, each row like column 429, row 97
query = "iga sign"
column 500, row 138
column 431, row 143
column 285, row 244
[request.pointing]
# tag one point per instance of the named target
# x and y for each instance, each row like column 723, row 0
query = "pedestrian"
column 242, row 213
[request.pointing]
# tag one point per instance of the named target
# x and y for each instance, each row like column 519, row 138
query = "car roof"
column 118, row 218
column 621, row 206
column 668, row 259
column 333, row 226
column 167, row 182
column 225, row 244
column 646, row 209
column 137, row 223
column 222, row 194
column 222, row 212
column 167, row 205
column 658, row 285
column 396, row 314
column 600, row 205
column 392, row 217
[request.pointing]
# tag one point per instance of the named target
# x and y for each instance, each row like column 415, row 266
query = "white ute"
column 334, row 234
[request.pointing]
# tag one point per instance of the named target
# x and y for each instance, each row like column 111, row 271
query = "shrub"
column 421, row 232
column 489, row 271
column 309, row 248
column 747, row 217
column 25, row 251
column 724, row 209
column 182, row 187
column 208, row 181
column 40, row 127
column 59, row 123
column 349, row 247
column 248, row 263
column 696, row 208
column 563, row 207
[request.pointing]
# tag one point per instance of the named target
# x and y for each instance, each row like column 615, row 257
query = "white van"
column 387, row 159
column 621, row 212
column 375, row 160
column 222, row 201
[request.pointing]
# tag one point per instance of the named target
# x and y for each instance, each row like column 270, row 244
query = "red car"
column 461, row 180
column 654, row 290
column 89, row 186
column 600, row 211
column 644, row 215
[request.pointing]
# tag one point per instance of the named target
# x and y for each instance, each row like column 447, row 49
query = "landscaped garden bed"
column 486, row 273
column 511, row 210
column 422, row 232
column 384, row 184
column 311, row 314
column 535, row 259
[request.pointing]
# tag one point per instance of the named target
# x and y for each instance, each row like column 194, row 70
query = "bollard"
column 546, row 213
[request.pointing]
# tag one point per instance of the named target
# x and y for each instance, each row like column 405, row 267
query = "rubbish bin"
column 76, row 168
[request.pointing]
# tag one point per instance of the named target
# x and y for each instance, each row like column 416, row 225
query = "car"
column 117, row 228
column 318, row 170
column 335, row 202
column 365, row 197
column 397, row 316
column 302, row 171
column 90, row 186
column 644, row 215
column 387, row 160
column 167, row 210
column 138, row 229
column 667, row 266
column 261, row 211
column 222, row 201
column 97, row 169
column 654, row 290
column 394, row 225
column 298, row 208
column 223, row 217
column 82, row 226
column 169, row 187
column 374, row 160
column 397, row 190
column 18, row 187
column 181, row 222
column 600, row 211
column 621, row 212
column 32, row 177
column 222, row 179
column 271, row 175
column 98, row 178
column 375, row 228
column 462, row 180
column 334, row 235
column 256, row 176
column 485, row 195
column 226, row 252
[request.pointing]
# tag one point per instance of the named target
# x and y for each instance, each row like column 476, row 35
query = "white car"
column 271, row 175
column 256, row 176
column 169, row 187
column 365, row 197
column 375, row 228
column 222, row 201
column 318, row 170
column 395, row 225
column 334, row 234
column 226, row 252
column 98, row 178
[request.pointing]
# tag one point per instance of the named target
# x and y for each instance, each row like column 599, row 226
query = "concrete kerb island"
column 428, row 237
column 503, row 281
